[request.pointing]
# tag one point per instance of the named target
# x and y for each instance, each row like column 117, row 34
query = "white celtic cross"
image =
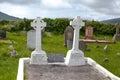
column 77, row 25
column 38, row 24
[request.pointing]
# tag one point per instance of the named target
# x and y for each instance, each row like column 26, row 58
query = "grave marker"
column 2, row 34
column 38, row 56
column 55, row 58
column 89, row 32
column 31, row 39
column 75, row 57
column 117, row 35
column 68, row 37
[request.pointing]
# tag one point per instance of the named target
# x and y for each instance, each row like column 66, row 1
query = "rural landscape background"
column 17, row 29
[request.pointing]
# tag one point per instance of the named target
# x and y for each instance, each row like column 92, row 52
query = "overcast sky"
column 87, row 9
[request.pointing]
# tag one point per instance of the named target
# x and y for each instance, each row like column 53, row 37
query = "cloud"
column 19, row 2
column 88, row 9
column 55, row 4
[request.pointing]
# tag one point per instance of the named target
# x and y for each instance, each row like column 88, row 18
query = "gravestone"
column 89, row 32
column 117, row 35
column 75, row 57
column 38, row 56
column 55, row 58
column 68, row 37
column 82, row 45
column 2, row 34
column 31, row 39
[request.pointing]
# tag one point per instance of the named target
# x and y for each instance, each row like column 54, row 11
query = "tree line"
column 57, row 26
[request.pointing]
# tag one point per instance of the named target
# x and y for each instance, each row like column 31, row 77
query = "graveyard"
column 55, row 44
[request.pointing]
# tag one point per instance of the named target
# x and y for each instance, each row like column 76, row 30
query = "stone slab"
column 55, row 58
column 62, row 72
column 106, row 73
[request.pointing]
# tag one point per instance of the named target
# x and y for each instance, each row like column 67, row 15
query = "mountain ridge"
column 4, row 16
column 114, row 20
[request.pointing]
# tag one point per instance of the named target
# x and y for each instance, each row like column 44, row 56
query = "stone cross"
column 38, row 24
column 77, row 25
column 38, row 55
column 75, row 57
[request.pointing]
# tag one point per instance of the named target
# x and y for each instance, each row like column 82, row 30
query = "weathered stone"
column 31, row 39
column 69, row 43
column 89, row 32
column 13, row 53
column 68, row 35
column 106, row 48
column 2, row 34
column 11, row 47
column 106, row 60
column 117, row 35
column 82, row 45
column 55, row 58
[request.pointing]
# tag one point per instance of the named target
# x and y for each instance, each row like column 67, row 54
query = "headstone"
column 105, row 60
column 55, row 58
column 106, row 48
column 68, row 36
column 89, row 32
column 31, row 39
column 117, row 35
column 11, row 47
column 13, row 53
column 75, row 57
column 38, row 56
column 2, row 34
column 82, row 45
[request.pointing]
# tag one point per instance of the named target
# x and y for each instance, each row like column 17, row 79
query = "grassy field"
column 54, row 44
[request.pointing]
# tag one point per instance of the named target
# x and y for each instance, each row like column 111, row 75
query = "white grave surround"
column 75, row 57
column 38, row 56
column 105, row 72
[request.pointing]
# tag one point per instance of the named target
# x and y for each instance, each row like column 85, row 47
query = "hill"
column 4, row 16
column 115, row 20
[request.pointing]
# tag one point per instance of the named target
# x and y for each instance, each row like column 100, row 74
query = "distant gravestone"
column 2, row 34
column 89, row 32
column 55, row 58
column 82, row 45
column 106, row 48
column 31, row 39
column 117, row 35
column 13, row 53
column 68, row 36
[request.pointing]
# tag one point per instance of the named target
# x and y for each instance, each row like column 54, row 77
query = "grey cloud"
column 20, row 2
column 108, row 7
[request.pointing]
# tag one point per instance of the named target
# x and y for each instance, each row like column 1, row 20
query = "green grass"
column 98, row 54
column 54, row 44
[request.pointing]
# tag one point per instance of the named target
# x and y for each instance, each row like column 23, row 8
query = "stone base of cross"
column 75, row 57
column 38, row 58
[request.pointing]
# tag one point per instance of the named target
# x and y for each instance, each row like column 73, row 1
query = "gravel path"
column 61, row 72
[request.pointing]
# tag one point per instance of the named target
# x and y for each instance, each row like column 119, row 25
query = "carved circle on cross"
column 77, row 23
column 38, row 23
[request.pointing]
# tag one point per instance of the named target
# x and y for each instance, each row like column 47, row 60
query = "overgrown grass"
column 54, row 44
